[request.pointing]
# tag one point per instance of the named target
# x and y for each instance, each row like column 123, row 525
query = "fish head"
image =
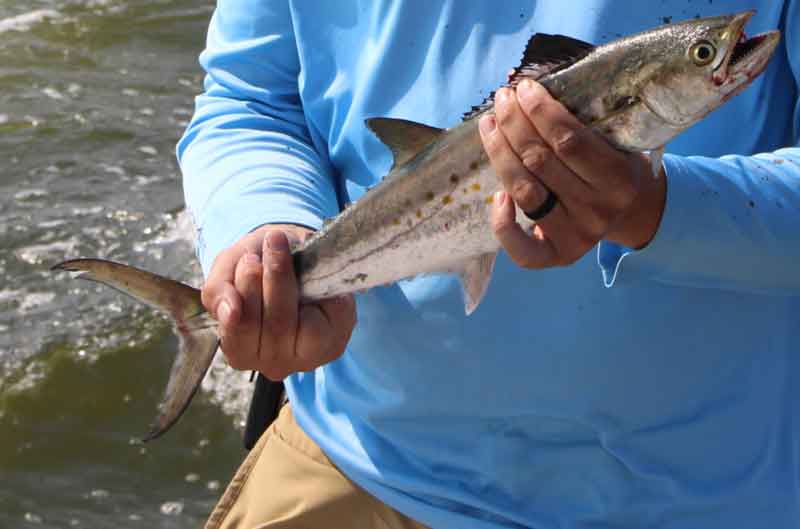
column 703, row 63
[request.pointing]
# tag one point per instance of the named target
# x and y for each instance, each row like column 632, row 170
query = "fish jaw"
column 681, row 92
column 747, row 61
column 745, row 58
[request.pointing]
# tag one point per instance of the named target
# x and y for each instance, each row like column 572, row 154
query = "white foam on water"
column 51, row 251
column 34, row 300
column 171, row 508
column 25, row 21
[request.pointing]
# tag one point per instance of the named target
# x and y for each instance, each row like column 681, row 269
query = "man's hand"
column 535, row 144
column 253, row 292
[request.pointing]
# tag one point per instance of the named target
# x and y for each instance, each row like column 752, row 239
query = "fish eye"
column 702, row 53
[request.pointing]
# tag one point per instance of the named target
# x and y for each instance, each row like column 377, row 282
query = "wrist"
column 639, row 224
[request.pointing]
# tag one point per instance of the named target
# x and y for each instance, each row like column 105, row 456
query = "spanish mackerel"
column 431, row 212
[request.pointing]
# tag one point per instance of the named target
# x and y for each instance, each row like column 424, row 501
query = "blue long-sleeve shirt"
column 658, row 389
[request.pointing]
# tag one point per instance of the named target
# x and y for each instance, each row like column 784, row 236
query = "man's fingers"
column 220, row 283
column 515, row 125
column 323, row 331
column 314, row 338
column 248, row 283
column 525, row 250
column 225, row 305
column 218, row 294
column 223, row 302
column 341, row 313
column 526, row 190
column 241, row 343
column 280, row 298
column 568, row 138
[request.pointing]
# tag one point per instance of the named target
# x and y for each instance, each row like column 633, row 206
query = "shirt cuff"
column 685, row 196
column 221, row 229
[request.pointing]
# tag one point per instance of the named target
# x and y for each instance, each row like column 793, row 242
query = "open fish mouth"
column 748, row 57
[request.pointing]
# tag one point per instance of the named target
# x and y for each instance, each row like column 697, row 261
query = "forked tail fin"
column 195, row 327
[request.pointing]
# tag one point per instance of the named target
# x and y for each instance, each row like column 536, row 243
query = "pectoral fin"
column 656, row 159
column 475, row 278
column 195, row 327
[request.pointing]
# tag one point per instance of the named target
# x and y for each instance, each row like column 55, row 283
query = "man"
column 652, row 381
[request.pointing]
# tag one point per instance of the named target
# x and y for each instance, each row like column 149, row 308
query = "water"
column 93, row 96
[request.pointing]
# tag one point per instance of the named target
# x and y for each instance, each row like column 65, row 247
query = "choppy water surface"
column 93, row 96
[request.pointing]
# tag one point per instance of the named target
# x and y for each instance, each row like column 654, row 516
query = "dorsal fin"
column 543, row 55
column 405, row 138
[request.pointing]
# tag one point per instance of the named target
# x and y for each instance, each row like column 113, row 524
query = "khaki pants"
column 287, row 482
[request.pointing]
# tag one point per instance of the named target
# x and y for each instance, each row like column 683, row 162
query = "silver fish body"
column 430, row 214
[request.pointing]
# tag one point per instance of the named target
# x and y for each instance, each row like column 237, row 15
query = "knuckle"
column 536, row 158
column 567, row 142
column 504, row 110
column 533, row 104
column 596, row 225
column 251, row 272
column 624, row 195
column 525, row 193
column 279, row 264
column 492, row 145
column 275, row 373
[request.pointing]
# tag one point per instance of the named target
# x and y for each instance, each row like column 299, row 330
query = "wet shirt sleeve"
column 731, row 223
column 247, row 156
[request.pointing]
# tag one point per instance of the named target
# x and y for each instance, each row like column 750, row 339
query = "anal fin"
column 475, row 277
column 656, row 159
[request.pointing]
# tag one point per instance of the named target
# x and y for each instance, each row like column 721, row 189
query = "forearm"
column 248, row 157
column 728, row 223
column 239, row 175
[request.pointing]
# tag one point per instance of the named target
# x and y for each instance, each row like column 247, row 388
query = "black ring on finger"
column 547, row 206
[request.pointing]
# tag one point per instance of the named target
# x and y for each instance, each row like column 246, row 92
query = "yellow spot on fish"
column 419, row 214
column 396, row 222
column 446, row 200
column 490, row 199
column 476, row 186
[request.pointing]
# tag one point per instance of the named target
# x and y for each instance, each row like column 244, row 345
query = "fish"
column 430, row 214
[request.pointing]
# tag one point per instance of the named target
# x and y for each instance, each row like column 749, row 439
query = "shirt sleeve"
column 729, row 223
column 248, row 157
